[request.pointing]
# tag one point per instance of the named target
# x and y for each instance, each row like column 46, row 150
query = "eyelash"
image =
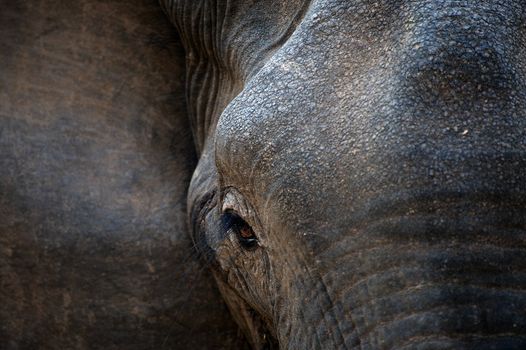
column 244, row 233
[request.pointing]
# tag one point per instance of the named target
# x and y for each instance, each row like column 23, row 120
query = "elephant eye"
column 244, row 233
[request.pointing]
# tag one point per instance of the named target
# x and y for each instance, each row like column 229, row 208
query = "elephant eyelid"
column 233, row 201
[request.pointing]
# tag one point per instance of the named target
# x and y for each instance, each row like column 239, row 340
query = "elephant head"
column 362, row 172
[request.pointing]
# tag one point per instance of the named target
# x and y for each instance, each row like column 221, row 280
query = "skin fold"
column 352, row 174
column 376, row 152
column 96, row 155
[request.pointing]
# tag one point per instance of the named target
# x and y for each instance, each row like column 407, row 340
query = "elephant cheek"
column 417, row 283
column 253, row 326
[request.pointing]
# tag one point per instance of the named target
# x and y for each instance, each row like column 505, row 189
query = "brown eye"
column 245, row 235
column 246, row 232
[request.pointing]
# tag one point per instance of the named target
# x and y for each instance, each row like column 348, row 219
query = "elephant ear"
column 95, row 159
column 226, row 42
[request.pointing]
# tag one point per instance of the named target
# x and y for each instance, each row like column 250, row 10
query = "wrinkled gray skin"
column 96, row 155
column 378, row 151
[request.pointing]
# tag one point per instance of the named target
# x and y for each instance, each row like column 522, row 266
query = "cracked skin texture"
column 95, row 160
column 378, row 151
column 376, row 148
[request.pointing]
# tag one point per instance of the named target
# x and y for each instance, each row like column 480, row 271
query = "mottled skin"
column 377, row 149
column 95, row 160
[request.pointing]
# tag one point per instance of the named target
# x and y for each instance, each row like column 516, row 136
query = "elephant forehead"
column 301, row 90
column 290, row 141
column 341, row 115
column 297, row 104
column 347, row 77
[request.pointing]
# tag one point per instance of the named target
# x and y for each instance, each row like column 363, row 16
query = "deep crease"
column 302, row 315
column 399, row 317
column 451, row 336
column 325, row 292
column 410, row 266
column 469, row 246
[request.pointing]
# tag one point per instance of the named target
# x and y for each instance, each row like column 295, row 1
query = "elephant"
column 343, row 174
column 95, row 159
column 361, row 181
